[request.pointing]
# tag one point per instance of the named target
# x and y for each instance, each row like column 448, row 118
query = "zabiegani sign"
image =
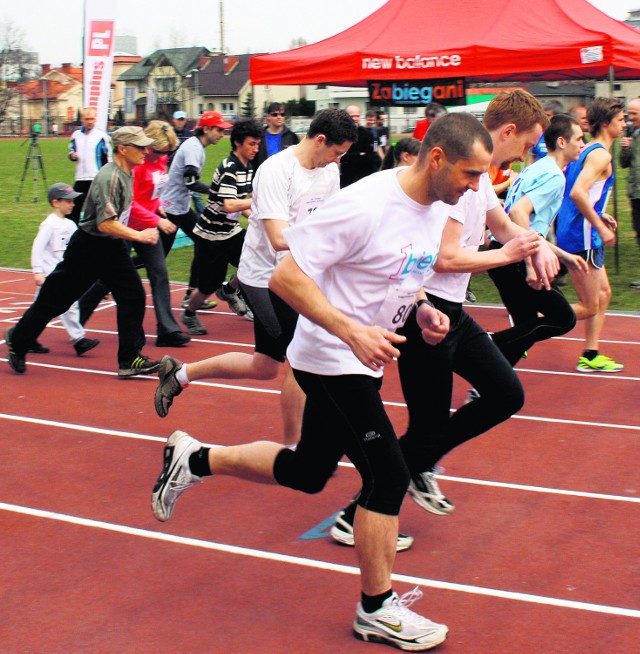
column 417, row 92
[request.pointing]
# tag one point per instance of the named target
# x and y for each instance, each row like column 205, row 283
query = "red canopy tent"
column 514, row 40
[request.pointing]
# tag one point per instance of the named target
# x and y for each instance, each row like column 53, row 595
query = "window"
column 227, row 107
column 166, row 84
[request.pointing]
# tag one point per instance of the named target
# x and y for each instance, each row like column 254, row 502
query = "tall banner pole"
column 99, row 37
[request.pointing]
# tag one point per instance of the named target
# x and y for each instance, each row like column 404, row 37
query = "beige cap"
column 131, row 136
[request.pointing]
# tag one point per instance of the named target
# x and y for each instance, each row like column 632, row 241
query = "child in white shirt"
column 47, row 252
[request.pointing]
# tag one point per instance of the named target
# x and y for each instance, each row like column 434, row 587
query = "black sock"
column 189, row 314
column 199, row 462
column 228, row 289
column 371, row 604
column 590, row 354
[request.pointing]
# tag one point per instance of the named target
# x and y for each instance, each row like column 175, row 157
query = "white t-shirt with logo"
column 282, row 190
column 368, row 248
column 471, row 211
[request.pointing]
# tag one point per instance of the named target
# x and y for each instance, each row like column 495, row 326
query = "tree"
column 297, row 43
column 248, row 110
column 16, row 65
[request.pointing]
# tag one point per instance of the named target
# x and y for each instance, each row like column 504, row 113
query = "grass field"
column 19, row 220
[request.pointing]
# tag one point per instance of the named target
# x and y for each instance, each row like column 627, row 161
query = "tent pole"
column 614, row 155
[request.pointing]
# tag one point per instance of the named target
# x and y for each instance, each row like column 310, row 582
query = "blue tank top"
column 574, row 233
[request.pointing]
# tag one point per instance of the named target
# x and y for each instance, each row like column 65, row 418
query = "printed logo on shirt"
column 371, row 436
column 412, row 263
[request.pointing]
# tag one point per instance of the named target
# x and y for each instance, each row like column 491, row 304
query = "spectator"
column 432, row 112
column 277, row 136
column 90, row 148
column 361, row 159
column 630, row 158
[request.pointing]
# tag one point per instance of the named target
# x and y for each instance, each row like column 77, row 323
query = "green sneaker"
column 600, row 363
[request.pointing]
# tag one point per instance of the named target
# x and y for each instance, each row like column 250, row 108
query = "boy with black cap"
column 99, row 249
column 47, row 252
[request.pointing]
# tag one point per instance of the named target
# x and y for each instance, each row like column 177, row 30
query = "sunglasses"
column 161, row 151
column 277, row 113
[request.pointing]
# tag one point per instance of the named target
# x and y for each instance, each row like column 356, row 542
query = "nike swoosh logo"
column 394, row 627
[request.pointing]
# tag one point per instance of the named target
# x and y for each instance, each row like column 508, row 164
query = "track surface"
column 540, row 555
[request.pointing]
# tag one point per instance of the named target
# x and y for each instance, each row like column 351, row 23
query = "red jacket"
column 148, row 180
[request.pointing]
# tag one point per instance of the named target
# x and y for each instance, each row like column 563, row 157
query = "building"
column 195, row 80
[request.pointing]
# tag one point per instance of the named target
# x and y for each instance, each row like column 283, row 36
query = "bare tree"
column 16, row 64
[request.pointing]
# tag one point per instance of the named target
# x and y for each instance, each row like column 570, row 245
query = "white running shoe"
column 425, row 492
column 395, row 624
column 176, row 476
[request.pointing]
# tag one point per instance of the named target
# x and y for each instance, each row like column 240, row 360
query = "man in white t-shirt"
column 354, row 273
column 287, row 187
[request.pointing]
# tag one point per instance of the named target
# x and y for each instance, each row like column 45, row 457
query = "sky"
column 249, row 25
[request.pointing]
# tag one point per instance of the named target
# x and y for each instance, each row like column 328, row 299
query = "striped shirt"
column 232, row 180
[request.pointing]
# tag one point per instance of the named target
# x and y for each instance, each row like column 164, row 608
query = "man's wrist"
column 422, row 301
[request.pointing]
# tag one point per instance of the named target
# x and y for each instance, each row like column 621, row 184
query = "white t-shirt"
column 368, row 248
column 175, row 196
column 282, row 190
column 50, row 243
column 471, row 211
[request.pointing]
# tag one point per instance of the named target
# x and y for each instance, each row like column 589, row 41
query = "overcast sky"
column 249, row 25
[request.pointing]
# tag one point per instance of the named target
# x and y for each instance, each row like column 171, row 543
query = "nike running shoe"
column 600, row 363
column 397, row 625
column 168, row 387
column 342, row 532
column 176, row 476
column 141, row 365
column 426, row 493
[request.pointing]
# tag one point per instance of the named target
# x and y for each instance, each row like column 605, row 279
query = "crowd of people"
column 358, row 252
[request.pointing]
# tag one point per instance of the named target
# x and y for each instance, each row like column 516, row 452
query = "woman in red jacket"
column 146, row 211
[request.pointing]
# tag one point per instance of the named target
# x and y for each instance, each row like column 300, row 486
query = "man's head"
column 331, row 133
column 245, row 139
column 275, row 117
column 434, row 110
column 606, row 114
column 88, row 117
column 211, row 127
column 129, row 144
column 553, row 108
column 354, row 111
column 179, row 120
column 456, row 151
column 61, row 197
column 370, row 118
column 381, row 118
column 633, row 111
column 580, row 114
column 515, row 120
column 564, row 134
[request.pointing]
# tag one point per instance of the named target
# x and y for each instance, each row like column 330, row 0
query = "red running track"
column 541, row 554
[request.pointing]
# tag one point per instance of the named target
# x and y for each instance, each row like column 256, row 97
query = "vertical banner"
column 99, row 36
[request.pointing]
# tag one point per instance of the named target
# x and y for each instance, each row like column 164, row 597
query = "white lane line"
column 344, row 464
column 272, row 391
column 317, row 564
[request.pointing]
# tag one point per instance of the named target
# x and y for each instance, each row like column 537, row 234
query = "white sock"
column 181, row 375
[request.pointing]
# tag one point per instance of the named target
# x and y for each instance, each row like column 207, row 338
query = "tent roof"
column 515, row 40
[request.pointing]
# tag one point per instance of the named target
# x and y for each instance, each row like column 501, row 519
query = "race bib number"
column 124, row 216
column 160, row 180
column 396, row 307
column 308, row 206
